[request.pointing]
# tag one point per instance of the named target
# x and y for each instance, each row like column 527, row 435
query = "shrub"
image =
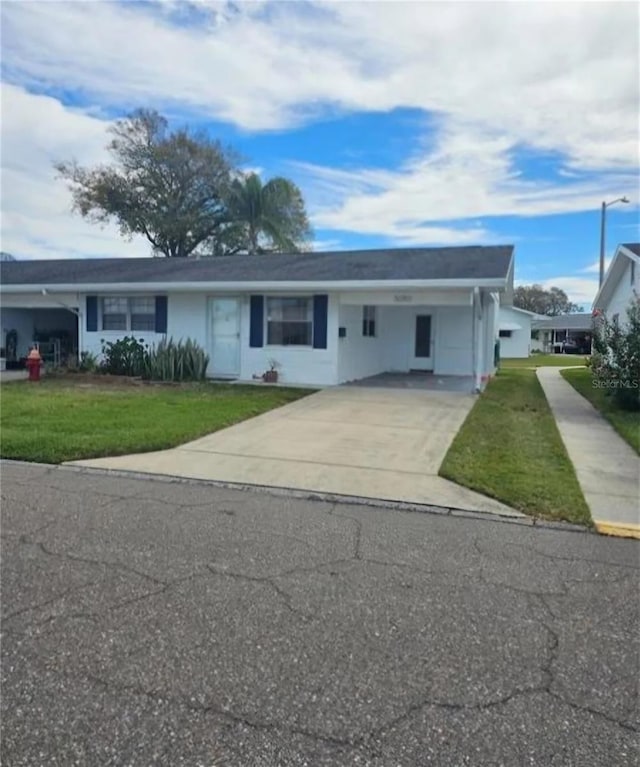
column 615, row 362
column 171, row 361
column 88, row 362
column 124, row 357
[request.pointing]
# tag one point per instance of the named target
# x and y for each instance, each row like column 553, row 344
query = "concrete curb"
column 618, row 530
column 310, row 495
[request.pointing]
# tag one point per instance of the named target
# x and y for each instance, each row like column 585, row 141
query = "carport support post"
column 477, row 336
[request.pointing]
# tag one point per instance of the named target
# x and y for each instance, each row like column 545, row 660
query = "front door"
column 224, row 345
column 422, row 343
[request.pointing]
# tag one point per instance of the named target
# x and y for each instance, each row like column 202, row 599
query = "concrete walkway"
column 607, row 468
column 12, row 375
column 360, row 441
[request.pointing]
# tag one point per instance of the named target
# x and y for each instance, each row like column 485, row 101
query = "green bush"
column 615, row 362
column 165, row 361
column 171, row 361
column 88, row 362
column 124, row 357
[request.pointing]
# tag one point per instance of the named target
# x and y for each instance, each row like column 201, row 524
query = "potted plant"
column 271, row 375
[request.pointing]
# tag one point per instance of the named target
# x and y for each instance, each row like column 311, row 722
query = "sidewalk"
column 607, row 468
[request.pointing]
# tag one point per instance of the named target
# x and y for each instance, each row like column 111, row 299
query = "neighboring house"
column 552, row 332
column 621, row 283
column 514, row 326
column 326, row 318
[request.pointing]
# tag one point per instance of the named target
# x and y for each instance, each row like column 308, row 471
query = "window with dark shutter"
column 136, row 313
column 289, row 321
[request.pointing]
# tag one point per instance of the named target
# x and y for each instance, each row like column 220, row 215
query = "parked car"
column 575, row 346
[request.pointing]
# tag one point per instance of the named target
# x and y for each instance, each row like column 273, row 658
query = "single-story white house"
column 552, row 332
column 325, row 318
column 514, row 331
column 621, row 283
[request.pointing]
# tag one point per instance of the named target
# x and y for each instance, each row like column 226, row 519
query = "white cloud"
column 508, row 66
column 36, row 207
column 467, row 174
column 580, row 290
column 594, row 268
column 481, row 68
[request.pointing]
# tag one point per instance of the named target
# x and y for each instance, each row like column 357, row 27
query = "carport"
column 437, row 340
column 43, row 323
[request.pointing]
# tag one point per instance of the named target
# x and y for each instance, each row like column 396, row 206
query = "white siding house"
column 554, row 333
column 324, row 318
column 621, row 283
column 514, row 330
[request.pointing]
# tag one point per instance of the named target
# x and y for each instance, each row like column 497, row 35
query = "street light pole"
column 603, row 224
column 603, row 227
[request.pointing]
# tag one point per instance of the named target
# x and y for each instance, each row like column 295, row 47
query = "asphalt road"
column 156, row 623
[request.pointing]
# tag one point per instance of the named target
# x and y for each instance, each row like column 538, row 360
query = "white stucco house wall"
column 325, row 318
column 514, row 331
column 621, row 283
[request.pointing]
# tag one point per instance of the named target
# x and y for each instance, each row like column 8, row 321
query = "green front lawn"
column 543, row 360
column 625, row 422
column 509, row 448
column 61, row 420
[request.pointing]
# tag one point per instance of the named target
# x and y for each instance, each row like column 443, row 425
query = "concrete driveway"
column 359, row 441
column 12, row 375
column 148, row 622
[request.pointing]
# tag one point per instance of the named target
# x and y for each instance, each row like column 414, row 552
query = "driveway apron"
column 366, row 442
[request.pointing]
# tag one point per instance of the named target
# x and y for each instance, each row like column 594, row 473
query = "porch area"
column 436, row 340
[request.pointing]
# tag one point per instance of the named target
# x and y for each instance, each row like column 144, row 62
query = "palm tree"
column 267, row 217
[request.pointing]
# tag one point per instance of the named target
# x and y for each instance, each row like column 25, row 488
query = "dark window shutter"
column 320, row 310
column 92, row 314
column 161, row 314
column 256, row 327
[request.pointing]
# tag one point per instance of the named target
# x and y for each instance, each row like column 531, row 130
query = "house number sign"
column 403, row 298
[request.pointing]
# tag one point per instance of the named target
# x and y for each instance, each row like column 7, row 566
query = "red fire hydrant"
column 34, row 363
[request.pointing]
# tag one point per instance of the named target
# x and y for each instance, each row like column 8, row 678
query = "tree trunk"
column 253, row 241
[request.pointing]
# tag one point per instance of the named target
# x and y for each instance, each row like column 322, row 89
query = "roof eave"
column 492, row 283
column 604, row 291
column 523, row 311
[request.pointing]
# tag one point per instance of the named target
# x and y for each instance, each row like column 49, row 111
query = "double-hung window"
column 369, row 321
column 142, row 313
column 129, row 313
column 289, row 321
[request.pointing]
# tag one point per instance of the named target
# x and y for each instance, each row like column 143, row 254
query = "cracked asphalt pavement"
column 148, row 622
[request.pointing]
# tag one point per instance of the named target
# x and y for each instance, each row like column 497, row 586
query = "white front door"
column 422, row 354
column 224, row 334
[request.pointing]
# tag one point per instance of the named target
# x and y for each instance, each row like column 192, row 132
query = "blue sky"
column 404, row 124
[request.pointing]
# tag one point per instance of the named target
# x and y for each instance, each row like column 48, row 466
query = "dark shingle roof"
column 474, row 262
column 634, row 247
column 564, row 322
